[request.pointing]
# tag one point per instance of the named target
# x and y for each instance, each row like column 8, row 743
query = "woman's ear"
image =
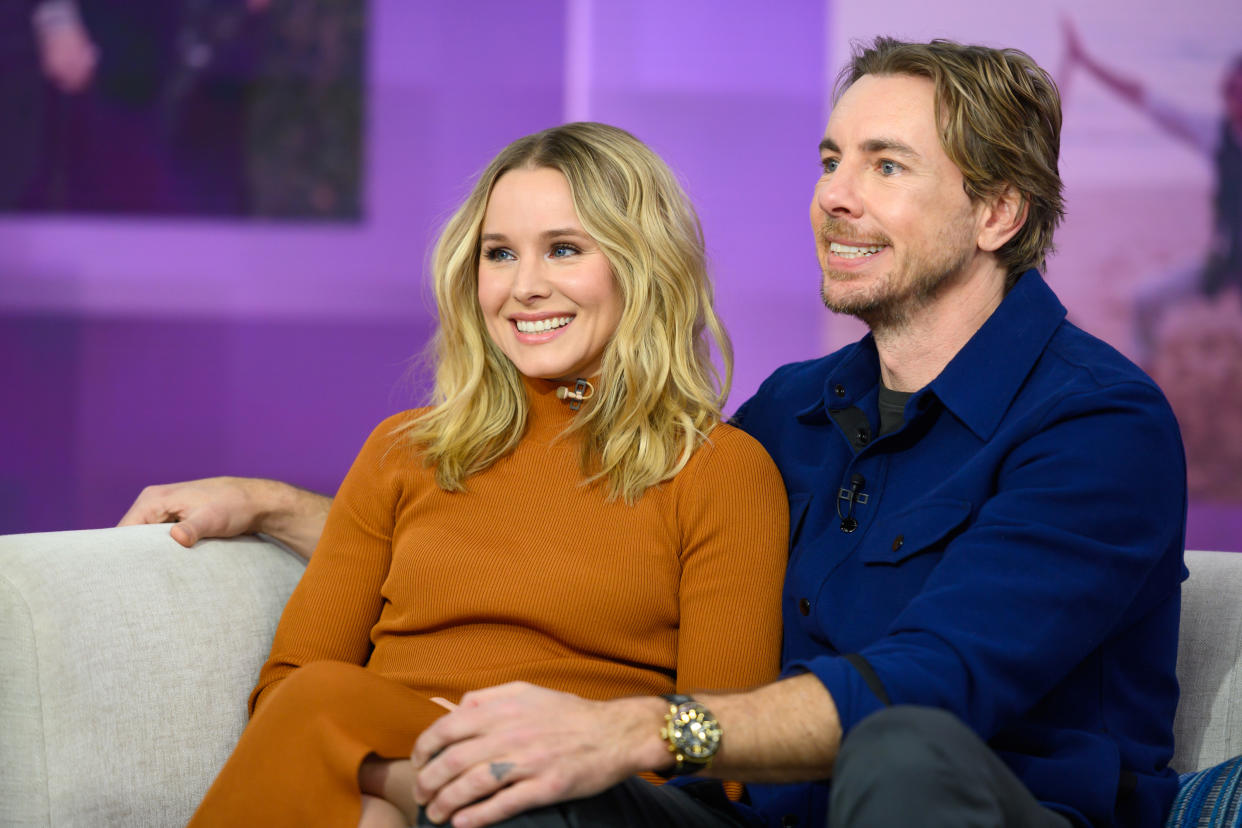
column 1003, row 216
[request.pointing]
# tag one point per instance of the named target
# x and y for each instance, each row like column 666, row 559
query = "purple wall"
column 109, row 404
column 734, row 101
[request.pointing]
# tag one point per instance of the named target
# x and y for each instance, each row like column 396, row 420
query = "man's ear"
column 1003, row 216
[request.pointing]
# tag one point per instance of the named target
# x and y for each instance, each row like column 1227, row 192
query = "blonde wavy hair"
column 999, row 116
column 659, row 392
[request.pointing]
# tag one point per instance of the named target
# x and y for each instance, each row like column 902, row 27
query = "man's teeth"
column 847, row 251
column 541, row 325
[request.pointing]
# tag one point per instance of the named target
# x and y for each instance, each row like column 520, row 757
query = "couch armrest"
column 126, row 663
column 1208, row 727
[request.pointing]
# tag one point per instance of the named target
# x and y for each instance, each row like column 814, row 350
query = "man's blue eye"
column 889, row 167
column 830, row 164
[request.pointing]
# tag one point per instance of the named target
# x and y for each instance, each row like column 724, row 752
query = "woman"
column 570, row 511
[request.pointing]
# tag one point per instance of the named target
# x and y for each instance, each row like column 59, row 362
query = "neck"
column 548, row 413
column 915, row 351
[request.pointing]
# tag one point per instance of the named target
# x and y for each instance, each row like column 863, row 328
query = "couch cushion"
column 1208, row 727
column 127, row 663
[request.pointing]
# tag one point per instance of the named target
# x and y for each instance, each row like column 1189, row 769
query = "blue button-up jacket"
column 1016, row 558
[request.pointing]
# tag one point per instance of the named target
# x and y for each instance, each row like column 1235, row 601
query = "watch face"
column 695, row 733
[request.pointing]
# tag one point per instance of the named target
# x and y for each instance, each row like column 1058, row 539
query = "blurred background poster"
column 151, row 331
column 182, row 107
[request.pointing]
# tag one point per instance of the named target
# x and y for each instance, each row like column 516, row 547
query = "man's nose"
column 837, row 193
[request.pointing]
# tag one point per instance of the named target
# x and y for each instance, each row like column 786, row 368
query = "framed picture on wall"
column 225, row 108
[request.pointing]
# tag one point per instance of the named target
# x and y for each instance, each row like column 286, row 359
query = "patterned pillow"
column 1210, row 798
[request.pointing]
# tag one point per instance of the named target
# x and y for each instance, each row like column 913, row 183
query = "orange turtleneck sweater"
column 527, row 575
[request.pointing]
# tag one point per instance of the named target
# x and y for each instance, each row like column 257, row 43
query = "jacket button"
column 898, row 542
column 804, row 606
column 863, row 436
column 839, row 390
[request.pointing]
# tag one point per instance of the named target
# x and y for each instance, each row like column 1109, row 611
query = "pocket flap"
column 922, row 526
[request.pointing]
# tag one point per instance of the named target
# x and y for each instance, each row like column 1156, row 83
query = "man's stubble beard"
column 898, row 295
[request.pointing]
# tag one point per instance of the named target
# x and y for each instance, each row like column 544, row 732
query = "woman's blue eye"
column 498, row 254
column 560, row 251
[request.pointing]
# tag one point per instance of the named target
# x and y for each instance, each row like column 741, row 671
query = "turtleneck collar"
column 548, row 415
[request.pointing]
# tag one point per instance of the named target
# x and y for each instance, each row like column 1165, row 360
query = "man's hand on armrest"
column 223, row 507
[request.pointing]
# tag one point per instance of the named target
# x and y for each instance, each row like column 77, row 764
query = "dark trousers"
column 900, row 767
column 922, row 766
column 635, row 803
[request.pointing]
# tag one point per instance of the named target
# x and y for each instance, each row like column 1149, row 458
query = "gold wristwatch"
column 692, row 733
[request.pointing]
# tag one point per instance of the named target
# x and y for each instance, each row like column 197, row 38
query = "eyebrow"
column 546, row 234
column 874, row 145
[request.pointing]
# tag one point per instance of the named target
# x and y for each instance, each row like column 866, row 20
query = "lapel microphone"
column 582, row 391
column 854, row 494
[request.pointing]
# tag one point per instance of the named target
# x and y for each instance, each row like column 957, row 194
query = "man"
column 987, row 510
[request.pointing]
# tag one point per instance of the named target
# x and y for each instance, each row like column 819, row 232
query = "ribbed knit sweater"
column 414, row 592
column 531, row 575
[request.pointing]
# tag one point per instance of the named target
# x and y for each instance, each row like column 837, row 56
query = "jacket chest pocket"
column 892, row 566
column 923, row 528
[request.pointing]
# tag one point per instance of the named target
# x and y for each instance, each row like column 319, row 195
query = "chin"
column 553, row 373
column 848, row 296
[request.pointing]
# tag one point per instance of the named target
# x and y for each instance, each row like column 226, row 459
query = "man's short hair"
column 999, row 118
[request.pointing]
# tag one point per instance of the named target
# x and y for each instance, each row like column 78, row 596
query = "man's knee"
column 902, row 737
column 896, row 762
column 923, row 766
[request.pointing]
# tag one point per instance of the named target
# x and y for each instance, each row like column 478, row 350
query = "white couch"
column 125, row 662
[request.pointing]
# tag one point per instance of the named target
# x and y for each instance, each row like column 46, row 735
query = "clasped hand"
column 514, row 747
